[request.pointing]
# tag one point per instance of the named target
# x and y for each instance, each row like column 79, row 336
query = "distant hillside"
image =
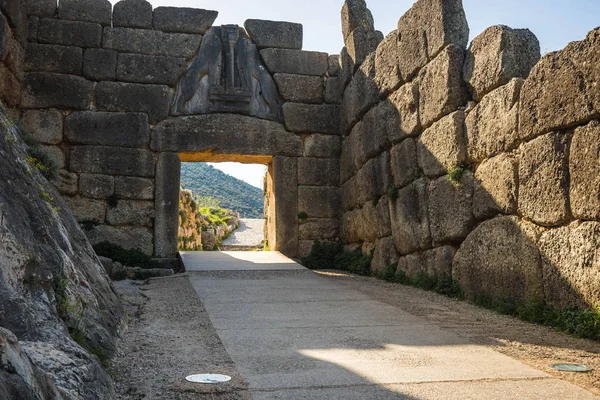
column 206, row 181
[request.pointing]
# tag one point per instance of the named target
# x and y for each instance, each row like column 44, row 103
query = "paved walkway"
column 296, row 335
column 249, row 234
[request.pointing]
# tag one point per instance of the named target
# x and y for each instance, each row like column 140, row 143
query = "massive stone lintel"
column 227, row 76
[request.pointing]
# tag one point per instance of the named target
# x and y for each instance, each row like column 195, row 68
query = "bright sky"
column 555, row 22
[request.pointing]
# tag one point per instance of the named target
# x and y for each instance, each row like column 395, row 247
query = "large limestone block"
column 86, row 209
column 45, row 126
column 360, row 43
column 571, row 265
column 385, row 254
column 108, row 129
column 562, row 89
column 69, row 33
column 377, row 126
column 133, row 188
column 295, row 61
column 139, row 238
column 334, row 90
column 96, row 186
column 406, row 102
column 373, row 222
column 360, row 95
column 184, row 20
column 351, row 159
column 374, row 178
column 100, row 64
column 500, row 260
column 319, row 229
column 498, row 55
column 112, row 161
column 322, row 146
column 50, row 90
column 139, row 68
column 168, row 176
column 41, row 8
column 405, row 167
column 283, row 35
column 442, row 146
column 5, row 36
column 300, row 88
column 154, row 43
column 348, row 227
column 427, row 28
column 10, row 88
column 350, row 194
column 131, row 212
column 318, row 171
column 496, row 187
column 132, row 97
column 226, row 134
column 98, row 11
column 584, row 168
column 409, row 215
column 334, row 65
column 285, row 185
column 52, row 58
column 544, row 180
column 356, row 15
column 435, row 262
column 132, row 14
column 387, row 70
column 319, row 201
column 347, row 67
column 56, row 154
column 451, row 209
column 66, row 182
column 492, row 126
column 441, row 86
column 312, row 118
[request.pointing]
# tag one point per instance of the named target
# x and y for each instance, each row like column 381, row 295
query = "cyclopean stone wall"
column 13, row 41
column 523, row 220
column 120, row 96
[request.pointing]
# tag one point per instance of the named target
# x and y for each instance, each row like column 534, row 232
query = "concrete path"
column 250, row 234
column 297, row 335
column 236, row 261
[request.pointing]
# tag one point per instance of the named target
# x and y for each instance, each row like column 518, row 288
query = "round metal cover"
column 571, row 367
column 211, row 379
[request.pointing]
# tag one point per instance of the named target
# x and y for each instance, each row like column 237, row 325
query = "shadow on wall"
column 453, row 164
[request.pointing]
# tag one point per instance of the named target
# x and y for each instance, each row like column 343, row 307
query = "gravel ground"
column 534, row 345
column 249, row 234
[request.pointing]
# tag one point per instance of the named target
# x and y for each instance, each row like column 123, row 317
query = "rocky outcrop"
column 60, row 316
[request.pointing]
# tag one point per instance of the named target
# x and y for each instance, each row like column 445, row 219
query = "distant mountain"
column 206, row 181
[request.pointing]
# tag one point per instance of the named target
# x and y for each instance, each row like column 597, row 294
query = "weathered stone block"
column 377, row 126
column 385, row 254
column 139, row 68
column 373, row 221
column 86, row 209
column 185, row 20
column 226, row 134
column 284, row 171
column 409, row 215
column 570, row 260
column 406, row 102
column 496, row 187
column 347, row 67
column 98, row 11
column 451, row 209
column 318, row 171
column 33, row 23
column 584, row 160
column 131, row 212
column 319, row 229
column 139, row 238
column 350, row 194
column 132, row 188
column 56, row 154
column 374, row 178
column 46, row 89
column 300, row 88
column 66, row 182
column 45, row 126
column 132, row 14
column 334, row 65
column 544, row 180
column 356, row 15
column 69, row 33
column 100, row 64
column 5, row 36
column 151, row 99
column 438, row 261
column 492, row 126
column 112, row 161
column 334, row 90
column 352, row 157
column 498, row 55
column 561, row 90
column 500, row 260
column 360, row 43
column 51, row 58
column 360, row 95
column 41, row 8
column 10, row 87
column 312, row 118
column 348, row 229
column 168, row 171
column 427, row 28
column 405, row 167
column 442, row 146
column 319, row 202
column 15, row 59
column 108, row 129
column 322, row 146
column 387, row 70
column 96, row 186
column 295, row 61
column 441, row 86
column 145, row 41
column 283, row 35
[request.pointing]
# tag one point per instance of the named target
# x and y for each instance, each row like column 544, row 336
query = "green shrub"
column 455, row 174
column 42, row 161
column 129, row 258
column 331, row 255
column 302, row 216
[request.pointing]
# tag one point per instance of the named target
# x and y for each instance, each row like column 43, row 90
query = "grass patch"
column 42, row 161
column 216, row 215
column 129, row 258
column 456, row 174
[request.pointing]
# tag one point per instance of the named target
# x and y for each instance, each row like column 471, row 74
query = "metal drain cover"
column 571, row 367
column 211, row 379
